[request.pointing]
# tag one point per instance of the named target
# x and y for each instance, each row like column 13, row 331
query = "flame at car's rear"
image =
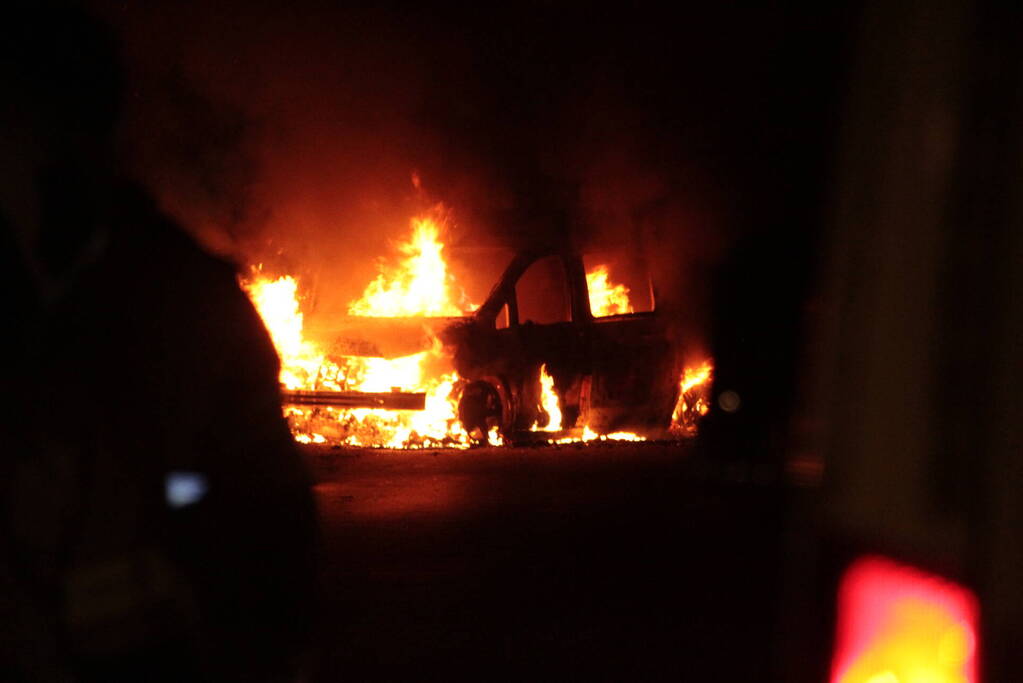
column 692, row 397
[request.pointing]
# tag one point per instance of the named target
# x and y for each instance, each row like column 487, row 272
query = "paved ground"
column 609, row 562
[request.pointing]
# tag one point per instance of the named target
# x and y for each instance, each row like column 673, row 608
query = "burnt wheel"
column 479, row 409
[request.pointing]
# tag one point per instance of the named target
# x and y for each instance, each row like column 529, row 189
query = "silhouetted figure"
column 157, row 523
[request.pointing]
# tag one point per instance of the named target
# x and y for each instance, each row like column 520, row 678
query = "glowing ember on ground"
column 590, row 435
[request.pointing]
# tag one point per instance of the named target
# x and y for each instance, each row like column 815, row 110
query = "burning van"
column 556, row 352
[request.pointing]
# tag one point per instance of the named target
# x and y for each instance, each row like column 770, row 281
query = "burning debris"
column 418, row 365
column 692, row 398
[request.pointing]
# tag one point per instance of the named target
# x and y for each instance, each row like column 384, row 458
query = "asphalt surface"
column 604, row 562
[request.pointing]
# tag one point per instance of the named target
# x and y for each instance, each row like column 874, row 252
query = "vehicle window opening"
column 617, row 283
column 542, row 293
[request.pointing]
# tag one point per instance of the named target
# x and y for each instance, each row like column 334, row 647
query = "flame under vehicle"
column 611, row 370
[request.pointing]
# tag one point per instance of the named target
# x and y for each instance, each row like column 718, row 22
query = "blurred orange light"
column 897, row 624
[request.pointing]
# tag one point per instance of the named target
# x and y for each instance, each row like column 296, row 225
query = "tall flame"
column 606, row 298
column 277, row 303
column 693, row 403
column 549, row 401
column 419, row 285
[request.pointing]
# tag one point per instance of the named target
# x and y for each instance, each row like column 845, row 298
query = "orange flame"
column 419, row 285
column 693, row 397
column 549, row 401
column 277, row 303
column 606, row 298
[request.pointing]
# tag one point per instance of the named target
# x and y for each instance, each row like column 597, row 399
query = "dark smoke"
column 289, row 136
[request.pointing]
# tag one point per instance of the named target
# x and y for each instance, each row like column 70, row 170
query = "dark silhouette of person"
column 156, row 521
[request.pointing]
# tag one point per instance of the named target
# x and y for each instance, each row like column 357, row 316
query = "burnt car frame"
column 612, row 373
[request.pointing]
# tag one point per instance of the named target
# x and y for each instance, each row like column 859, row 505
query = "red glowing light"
column 897, row 624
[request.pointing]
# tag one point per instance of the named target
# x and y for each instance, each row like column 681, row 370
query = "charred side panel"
column 635, row 374
column 614, row 373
